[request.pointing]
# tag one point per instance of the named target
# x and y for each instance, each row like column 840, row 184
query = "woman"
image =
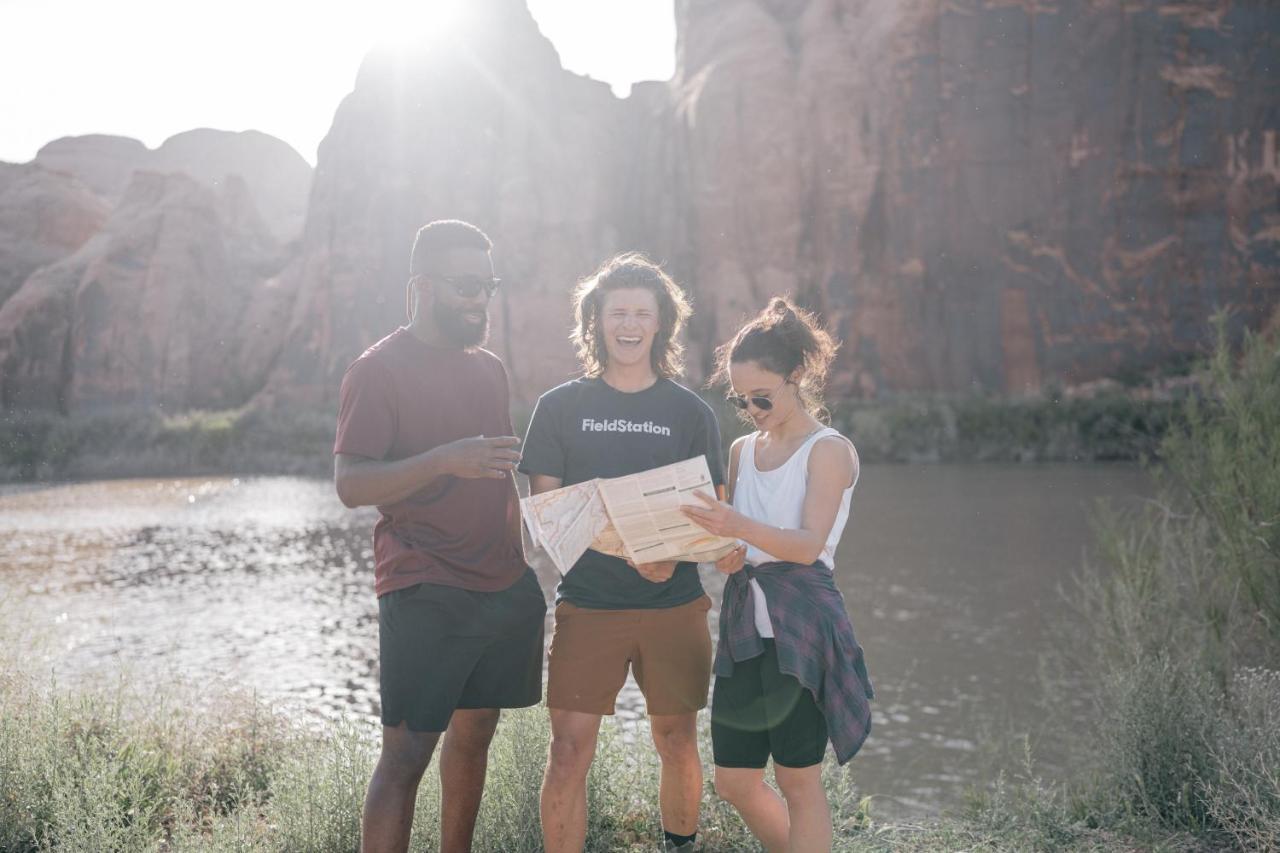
column 789, row 673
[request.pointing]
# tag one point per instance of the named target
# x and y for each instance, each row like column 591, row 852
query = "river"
column 951, row 575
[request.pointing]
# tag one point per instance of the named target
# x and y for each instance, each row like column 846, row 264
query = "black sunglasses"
column 764, row 404
column 469, row 286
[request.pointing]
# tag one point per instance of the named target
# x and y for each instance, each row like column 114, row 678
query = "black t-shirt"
column 586, row 429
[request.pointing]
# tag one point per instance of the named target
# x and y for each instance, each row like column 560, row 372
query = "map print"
column 636, row 517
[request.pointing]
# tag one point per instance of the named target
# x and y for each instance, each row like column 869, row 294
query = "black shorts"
column 443, row 648
column 758, row 712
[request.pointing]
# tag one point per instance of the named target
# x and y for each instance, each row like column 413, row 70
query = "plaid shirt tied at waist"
column 814, row 640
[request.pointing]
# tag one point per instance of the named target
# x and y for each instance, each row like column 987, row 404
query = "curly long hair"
column 627, row 272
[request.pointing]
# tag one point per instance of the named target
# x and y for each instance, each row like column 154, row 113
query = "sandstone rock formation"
column 147, row 313
column 485, row 127
column 138, row 278
column 983, row 195
column 988, row 194
column 978, row 195
column 104, row 163
column 276, row 175
column 44, row 216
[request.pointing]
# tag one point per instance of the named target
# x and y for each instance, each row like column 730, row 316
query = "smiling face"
column 461, row 320
column 628, row 324
column 749, row 379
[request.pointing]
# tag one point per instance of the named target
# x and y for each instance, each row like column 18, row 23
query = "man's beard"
column 456, row 328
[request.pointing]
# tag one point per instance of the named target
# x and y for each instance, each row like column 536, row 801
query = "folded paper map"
column 636, row 517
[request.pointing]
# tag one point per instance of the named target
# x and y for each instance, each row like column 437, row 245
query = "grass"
column 124, row 768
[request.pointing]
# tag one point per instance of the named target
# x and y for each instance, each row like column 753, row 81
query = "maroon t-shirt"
column 402, row 397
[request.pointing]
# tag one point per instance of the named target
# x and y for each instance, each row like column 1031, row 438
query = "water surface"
column 950, row 574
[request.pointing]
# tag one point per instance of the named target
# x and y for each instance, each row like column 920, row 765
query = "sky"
column 152, row 68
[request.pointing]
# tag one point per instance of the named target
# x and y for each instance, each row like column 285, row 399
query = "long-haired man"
column 625, row 414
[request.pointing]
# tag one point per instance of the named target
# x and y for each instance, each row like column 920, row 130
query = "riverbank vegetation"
column 1178, row 624
column 1114, row 425
column 46, row 446
column 119, row 768
column 1110, row 427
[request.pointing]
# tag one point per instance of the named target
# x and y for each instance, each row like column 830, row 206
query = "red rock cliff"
column 982, row 195
column 977, row 194
column 986, row 194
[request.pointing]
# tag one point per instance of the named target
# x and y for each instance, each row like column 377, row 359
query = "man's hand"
column 480, row 457
column 659, row 572
column 732, row 562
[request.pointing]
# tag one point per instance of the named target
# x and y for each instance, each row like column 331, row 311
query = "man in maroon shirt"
column 424, row 434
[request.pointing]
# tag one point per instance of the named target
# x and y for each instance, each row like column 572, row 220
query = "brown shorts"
column 669, row 651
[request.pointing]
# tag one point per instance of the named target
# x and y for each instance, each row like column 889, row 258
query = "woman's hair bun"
column 783, row 339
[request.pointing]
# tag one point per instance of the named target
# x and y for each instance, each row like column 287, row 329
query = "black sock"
column 677, row 840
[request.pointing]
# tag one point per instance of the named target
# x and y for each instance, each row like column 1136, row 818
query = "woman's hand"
column 732, row 562
column 715, row 517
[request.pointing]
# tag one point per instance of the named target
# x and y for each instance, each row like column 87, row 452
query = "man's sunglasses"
column 469, row 286
column 764, row 404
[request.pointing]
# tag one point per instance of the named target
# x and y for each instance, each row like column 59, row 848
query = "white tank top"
column 776, row 498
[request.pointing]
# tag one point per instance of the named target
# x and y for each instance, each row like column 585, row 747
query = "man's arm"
column 361, row 481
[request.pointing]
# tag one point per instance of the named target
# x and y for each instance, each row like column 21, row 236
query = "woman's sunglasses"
column 764, row 404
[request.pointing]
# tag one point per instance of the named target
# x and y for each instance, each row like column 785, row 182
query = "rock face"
column 148, row 312
column 276, row 175
column 977, row 195
column 124, row 286
column 485, row 127
column 103, row 163
column 44, row 216
column 984, row 193
column 992, row 195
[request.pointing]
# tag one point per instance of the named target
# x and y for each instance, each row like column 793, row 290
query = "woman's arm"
column 735, row 453
column 832, row 468
column 733, row 562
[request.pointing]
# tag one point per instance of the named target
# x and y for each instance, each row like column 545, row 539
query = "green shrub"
column 1184, row 598
column 1226, row 458
column 1109, row 427
column 42, row 446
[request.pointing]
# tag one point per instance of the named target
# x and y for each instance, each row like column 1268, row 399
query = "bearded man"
column 424, row 434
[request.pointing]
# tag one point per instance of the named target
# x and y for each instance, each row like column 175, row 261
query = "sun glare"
column 280, row 67
column 405, row 23
column 619, row 41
